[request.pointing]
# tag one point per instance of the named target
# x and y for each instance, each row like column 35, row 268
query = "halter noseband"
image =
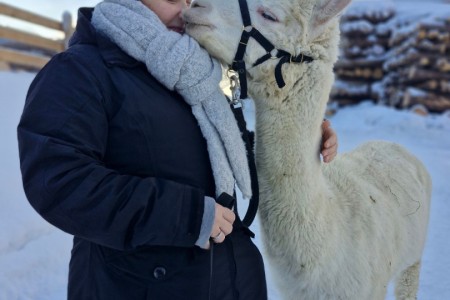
column 238, row 64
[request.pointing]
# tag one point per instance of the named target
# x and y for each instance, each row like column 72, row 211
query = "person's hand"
column 223, row 224
column 329, row 145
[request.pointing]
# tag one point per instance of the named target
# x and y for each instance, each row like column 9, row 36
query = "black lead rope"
column 229, row 201
column 248, row 31
column 249, row 142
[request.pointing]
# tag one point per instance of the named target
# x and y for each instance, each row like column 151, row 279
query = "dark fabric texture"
column 163, row 273
column 112, row 157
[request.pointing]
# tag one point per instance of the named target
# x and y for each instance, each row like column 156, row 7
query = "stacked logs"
column 419, row 65
column 393, row 57
column 365, row 36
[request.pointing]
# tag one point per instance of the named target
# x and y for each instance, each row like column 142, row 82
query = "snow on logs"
column 419, row 64
column 365, row 37
column 395, row 58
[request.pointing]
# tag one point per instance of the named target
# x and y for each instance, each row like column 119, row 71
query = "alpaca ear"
column 325, row 11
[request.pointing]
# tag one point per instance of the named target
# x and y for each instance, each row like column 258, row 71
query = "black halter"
column 239, row 67
column 250, row 31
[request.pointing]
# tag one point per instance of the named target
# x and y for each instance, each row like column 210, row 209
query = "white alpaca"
column 332, row 231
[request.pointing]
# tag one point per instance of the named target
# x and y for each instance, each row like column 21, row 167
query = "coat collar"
column 85, row 33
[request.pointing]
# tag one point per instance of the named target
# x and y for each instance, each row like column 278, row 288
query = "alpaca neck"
column 288, row 130
column 288, row 141
column 288, row 123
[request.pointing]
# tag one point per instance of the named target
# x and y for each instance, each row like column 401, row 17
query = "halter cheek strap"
column 238, row 66
column 248, row 31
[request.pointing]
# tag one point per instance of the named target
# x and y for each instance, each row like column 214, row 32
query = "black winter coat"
column 112, row 157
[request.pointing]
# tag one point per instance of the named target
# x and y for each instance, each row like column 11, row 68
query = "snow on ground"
column 34, row 255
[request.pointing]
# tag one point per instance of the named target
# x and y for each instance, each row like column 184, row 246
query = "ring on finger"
column 217, row 236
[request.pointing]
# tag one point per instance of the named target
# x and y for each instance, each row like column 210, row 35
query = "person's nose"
column 182, row 7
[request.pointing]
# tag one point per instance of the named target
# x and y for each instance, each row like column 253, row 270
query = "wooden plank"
column 414, row 75
column 433, row 102
column 415, row 58
column 363, row 63
column 22, row 58
column 31, row 39
column 4, row 66
column 439, row 87
column 24, row 15
column 366, row 74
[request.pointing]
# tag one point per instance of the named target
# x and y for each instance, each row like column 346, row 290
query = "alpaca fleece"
column 341, row 230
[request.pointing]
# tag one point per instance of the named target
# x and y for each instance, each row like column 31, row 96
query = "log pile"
column 419, row 65
column 365, row 38
column 395, row 58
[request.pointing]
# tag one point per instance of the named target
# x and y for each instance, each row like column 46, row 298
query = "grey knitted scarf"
column 180, row 64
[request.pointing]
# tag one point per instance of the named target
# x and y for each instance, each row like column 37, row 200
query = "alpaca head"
column 296, row 26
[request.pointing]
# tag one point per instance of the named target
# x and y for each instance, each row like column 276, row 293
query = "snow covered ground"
column 34, row 255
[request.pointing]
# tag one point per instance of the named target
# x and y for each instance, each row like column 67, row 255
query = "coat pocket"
column 148, row 265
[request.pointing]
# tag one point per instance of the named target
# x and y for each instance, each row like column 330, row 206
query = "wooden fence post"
column 67, row 28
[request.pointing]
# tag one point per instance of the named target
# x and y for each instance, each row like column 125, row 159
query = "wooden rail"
column 22, row 49
column 19, row 58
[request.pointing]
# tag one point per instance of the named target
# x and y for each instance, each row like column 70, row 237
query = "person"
column 112, row 156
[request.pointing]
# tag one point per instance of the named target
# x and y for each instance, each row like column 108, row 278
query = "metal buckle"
column 235, row 88
column 247, row 28
column 273, row 54
column 301, row 60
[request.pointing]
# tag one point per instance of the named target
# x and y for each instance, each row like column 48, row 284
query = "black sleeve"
column 62, row 137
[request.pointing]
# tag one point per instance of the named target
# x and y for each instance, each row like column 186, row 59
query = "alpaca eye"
column 269, row 16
